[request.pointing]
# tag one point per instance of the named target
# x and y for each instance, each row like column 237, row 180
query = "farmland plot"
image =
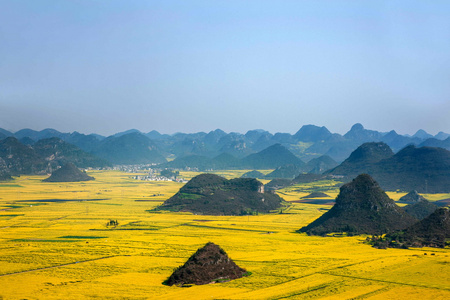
column 55, row 244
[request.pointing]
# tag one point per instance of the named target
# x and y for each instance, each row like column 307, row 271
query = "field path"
column 386, row 281
column 63, row 265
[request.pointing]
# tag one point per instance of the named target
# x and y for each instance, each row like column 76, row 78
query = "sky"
column 189, row 66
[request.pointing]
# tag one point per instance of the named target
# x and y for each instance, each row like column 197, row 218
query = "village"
column 160, row 175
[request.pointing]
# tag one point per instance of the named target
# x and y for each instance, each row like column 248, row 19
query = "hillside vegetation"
column 432, row 231
column 209, row 194
column 362, row 207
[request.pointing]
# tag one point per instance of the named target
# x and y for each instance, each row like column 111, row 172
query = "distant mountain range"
column 312, row 149
column 43, row 156
column 308, row 142
column 128, row 149
column 424, row 169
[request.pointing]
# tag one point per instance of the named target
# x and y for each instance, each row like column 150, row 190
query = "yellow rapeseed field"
column 55, row 244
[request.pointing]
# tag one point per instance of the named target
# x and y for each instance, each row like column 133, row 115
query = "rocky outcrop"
column 210, row 264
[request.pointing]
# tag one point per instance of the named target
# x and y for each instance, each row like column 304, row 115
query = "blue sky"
column 109, row 66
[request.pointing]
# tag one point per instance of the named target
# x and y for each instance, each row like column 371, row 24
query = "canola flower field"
column 55, row 244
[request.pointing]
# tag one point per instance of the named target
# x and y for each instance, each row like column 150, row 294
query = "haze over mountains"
column 312, row 149
column 424, row 169
column 308, row 142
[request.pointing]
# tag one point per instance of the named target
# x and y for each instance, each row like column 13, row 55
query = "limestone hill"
column 43, row 156
column 312, row 133
column 4, row 171
column 131, row 148
column 362, row 207
column 210, row 194
column 362, row 159
column 277, row 183
column 412, row 197
column 202, row 163
column 224, row 161
column 308, row 178
column 320, row 164
column 19, row 158
column 420, row 210
column 361, row 135
column 253, row 174
column 424, row 169
column 316, row 195
column 210, row 264
column 271, row 158
column 287, row 171
column 432, row 142
column 58, row 152
column 68, row 173
column 198, row 162
column 430, row 232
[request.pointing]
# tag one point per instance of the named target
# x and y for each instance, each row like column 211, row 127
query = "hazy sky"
column 108, row 66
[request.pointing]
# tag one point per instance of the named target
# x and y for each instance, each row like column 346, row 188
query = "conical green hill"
column 362, row 207
column 68, row 173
